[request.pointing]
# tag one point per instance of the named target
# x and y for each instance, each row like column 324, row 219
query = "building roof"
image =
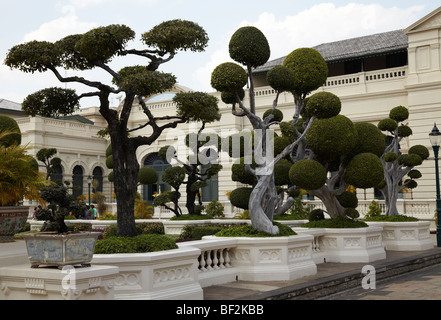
column 355, row 48
column 9, row 105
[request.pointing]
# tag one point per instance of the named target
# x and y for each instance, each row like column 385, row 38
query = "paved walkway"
column 412, row 275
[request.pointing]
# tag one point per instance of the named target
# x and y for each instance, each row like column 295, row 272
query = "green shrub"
column 249, row 231
column 352, row 213
column 308, row 174
column 215, row 209
column 374, row 209
column 310, row 70
column 277, row 114
column 399, row 113
column 229, row 77
column 316, row 215
column 419, row 150
column 396, row 218
column 387, row 125
column 139, row 244
column 150, row 228
column 323, row 105
column 249, row 46
column 348, row 199
column 365, row 170
column 370, row 139
column 240, row 197
column 281, row 78
column 404, row 131
column 200, row 231
column 9, row 124
column 338, row 222
column 390, row 157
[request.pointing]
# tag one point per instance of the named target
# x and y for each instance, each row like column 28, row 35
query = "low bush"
column 141, row 228
column 249, row 231
column 139, row 244
column 338, row 222
column 396, row 218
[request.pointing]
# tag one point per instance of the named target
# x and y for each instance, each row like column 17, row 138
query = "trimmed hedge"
column 139, row 244
column 396, row 218
column 338, row 222
column 249, row 231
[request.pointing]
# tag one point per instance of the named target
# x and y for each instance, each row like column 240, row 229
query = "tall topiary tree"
column 50, row 161
column 195, row 142
column 97, row 49
column 397, row 165
column 303, row 71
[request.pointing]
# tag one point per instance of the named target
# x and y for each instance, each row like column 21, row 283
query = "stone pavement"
column 413, row 275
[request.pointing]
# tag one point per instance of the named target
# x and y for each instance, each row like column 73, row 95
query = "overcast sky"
column 287, row 25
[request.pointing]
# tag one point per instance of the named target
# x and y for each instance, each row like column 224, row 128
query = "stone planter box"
column 406, row 236
column 272, row 258
column 162, row 275
column 54, row 249
column 23, row 283
column 348, row 245
column 12, row 219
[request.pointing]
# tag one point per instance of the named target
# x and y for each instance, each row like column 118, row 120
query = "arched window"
column 57, row 175
column 211, row 191
column 97, row 179
column 156, row 162
column 77, row 181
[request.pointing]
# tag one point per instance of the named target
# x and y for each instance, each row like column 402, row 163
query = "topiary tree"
column 199, row 145
column 8, row 124
column 303, row 71
column 397, row 165
column 341, row 154
column 97, row 49
column 50, row 161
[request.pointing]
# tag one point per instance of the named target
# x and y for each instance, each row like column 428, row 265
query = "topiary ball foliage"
column 364, row 171
column 240, row 197
column 370, row 139
column 277, row 114
column 348, row 199
column 310, row 70
column 414, row 174
column 231, row 97
column 420, row 150
column 288, row 130
column 387, row 125
column 280, row 143
column 404, row 131
column 281, row 78
column 323, row 105
column 390, row 157
column 10, row 125
column 352, row 213
column 147, row 175
column 399, row 114
column 239, row 174
column 281, row 172
column 316, row 215
column 411, row 184
column 409, row 160
column 229, row 77
column 332, row 138
column 307, row 174
column 249, row 46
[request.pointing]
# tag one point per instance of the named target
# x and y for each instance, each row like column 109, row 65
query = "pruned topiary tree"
column 397, row 165
column 97, row 49
column 199, row 144
column 303, row 71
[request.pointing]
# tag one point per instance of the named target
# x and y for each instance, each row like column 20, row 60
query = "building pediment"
column 428, row 22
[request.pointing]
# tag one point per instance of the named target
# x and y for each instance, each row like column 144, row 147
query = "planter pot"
column 163, row 275
column 12, row 219
column 52, row 249
column 272, row 258
column 348, row 245
column 406, row 236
